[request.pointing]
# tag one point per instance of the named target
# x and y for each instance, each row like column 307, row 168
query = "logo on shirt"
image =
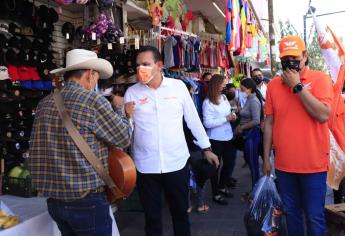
column 144, row 100
column 291, row 45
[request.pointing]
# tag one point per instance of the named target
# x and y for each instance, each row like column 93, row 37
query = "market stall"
column 34, row 39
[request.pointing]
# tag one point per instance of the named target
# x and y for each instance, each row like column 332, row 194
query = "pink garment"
column 212, row 56
column 220, row 55
column 236, row 19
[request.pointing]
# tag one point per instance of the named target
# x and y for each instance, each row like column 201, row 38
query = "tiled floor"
column 219, row 221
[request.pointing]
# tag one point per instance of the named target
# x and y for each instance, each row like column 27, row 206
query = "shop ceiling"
column 203, row 8
column 207, row 9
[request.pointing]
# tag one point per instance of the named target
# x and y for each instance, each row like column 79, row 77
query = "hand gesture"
column 291, row 78
column 129, row 109
column 238, row 130
column 231, row 117
column 212, row 158
column 117, row 101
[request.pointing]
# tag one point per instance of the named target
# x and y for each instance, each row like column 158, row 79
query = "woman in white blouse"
column 216, row 118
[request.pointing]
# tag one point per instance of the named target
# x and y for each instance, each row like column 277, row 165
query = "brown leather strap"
column 82, row 144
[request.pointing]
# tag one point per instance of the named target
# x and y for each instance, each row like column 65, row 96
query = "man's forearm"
column 268, row 138
column 314, row 107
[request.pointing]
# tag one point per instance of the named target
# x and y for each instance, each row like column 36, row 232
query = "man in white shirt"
column 159, row 148
column 257, row 75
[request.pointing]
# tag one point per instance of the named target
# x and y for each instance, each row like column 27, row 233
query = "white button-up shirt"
column 214, row 116
column 263, row 90
column 159, row 144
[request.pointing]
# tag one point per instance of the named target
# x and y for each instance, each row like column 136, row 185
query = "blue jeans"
column 303, row 193
column 85, row 217
column 251, row 152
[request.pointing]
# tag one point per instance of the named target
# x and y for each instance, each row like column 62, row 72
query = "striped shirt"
column 58, row 168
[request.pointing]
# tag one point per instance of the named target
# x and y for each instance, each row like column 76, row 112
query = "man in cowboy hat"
column 76, row 198
column 298, row 105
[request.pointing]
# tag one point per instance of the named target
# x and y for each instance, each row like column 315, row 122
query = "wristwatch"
column 207, row 149
column 298, row 88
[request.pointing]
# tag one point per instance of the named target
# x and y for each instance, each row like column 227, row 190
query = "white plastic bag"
column 264, row 196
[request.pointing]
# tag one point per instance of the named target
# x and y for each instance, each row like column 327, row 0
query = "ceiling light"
column 220, row 11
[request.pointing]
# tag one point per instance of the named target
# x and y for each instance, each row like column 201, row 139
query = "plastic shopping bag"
column 265, row 196
column 272, row 221
column 264, row 214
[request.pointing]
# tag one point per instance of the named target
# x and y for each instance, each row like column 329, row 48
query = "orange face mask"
column 144, row 74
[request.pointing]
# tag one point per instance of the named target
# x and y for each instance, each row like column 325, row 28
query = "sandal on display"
column 220, row 200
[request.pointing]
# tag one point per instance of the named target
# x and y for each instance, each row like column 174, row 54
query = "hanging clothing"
column 176, row 51
column 228, row 22
column 168, row 52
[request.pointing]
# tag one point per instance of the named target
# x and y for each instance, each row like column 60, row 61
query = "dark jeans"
column 232, row 162
column 303, row 193
column 251, row 152
column 175, row 187
column 225, row 151
column 85, row 217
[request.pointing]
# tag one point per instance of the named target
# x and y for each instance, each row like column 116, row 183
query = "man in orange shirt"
column 298, row 105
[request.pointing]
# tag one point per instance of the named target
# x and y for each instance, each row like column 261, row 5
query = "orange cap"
column 291, row 46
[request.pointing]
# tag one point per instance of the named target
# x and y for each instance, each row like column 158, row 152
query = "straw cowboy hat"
column 77, row 59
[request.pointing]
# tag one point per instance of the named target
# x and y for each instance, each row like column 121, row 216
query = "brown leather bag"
column 121, row 175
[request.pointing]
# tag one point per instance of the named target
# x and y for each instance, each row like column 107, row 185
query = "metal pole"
column 305, row 17
column 326, row 14
column 305, row 29
column 272, row 36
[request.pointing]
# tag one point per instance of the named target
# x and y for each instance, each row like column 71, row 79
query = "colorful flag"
column 333, row 52
column 228, row 21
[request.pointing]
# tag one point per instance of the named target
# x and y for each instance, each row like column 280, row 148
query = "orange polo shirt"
column 301, row 143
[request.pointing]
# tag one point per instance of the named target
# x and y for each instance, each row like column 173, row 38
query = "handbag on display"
column 120, row 177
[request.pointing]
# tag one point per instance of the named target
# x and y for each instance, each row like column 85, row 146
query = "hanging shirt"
column 183, row 51
column 168, row 52
column 212, row 56
column 177, row 56
column 159, row 144
column 196, row 54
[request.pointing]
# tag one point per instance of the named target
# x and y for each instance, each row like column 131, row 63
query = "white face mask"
column 95, row 89
column 245, row 95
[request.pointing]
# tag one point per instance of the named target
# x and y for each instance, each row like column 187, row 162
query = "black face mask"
column 228, row 94
column 291, row 64
column 257, row 80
